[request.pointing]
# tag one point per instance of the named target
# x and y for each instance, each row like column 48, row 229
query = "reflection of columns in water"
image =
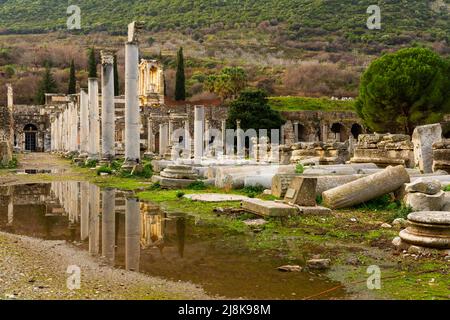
column 10, row 210
column 84, row 202
column 132, row 234
column 181, row 235
column 108, row 224
column 94, row 225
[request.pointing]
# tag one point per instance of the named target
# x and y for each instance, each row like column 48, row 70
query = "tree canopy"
column 228, row 83
column 72, row 87
column 253, row 109
column 47, row 85
column 92, row 64
column 404, row 89
column 180, row 82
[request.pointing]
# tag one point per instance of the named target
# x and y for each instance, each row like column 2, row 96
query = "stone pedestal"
column 428, row 229
column 302, row 192
column 423, row 139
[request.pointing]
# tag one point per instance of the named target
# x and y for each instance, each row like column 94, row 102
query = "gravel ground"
column 37, row 269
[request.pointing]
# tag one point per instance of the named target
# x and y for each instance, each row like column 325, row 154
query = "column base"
column 149, row 155
column 131, row 166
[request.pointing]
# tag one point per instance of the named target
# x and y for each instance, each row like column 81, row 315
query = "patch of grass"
column 447, row 188
column 11, row 164
column 104, row 169
column 252, row 191
column 289, row 103
column 180, row 194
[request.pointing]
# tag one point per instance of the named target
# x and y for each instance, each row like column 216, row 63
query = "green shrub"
column 11, row 164
column 117, row 165
column 197, row 185
column 155, row 186
column 180, row 194
column 104, row 169
column 447, row 188
column 299, row 168
column 90, row 163
column 253, row 191
column 147, row 170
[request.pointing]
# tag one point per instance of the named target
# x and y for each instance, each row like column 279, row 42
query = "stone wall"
column 441, row 155
column 384, row 150
column 311, row 126
column 32, row 120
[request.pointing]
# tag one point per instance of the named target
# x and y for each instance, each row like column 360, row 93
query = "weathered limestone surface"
column 425, row 202
column 327, row 153
column 268, row 208
column 170, row 183
column 264, row 180
column 441, row 155
column 179, row 172
column 384, row 150
column 366, row 188
column 5, row 153
column 314, row 211
column 428, row 229
column 302, row 192
column 215, row 197
column 423, row 139
column 280, row 184
column 427, row 186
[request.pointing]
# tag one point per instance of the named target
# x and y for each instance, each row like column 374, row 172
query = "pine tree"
column 180, row 85
column 116, row 78
column 47, row 85
column 72, row 80
column 92, row 63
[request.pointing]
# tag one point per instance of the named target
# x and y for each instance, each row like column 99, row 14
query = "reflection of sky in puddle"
column 138, row 236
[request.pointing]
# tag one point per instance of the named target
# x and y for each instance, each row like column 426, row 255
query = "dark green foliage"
column 180, row 79
column 299, row 168
column 180, row 194
column 405, row 89
column 92, row 163
column 11, row 165
column 198, row 185
column 104, row 169
column 72, row 80
column 228, row 83
column 253, row 191
column 47, row 85
column 92, row 63
column 155, row 186
column 253, row 110
column 447, row 188
column 116, row 78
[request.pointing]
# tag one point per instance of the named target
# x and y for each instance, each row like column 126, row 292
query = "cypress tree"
column 47, row 85
column 92, row 63
column 180, row 85
column 72, row 80
column 116, row 78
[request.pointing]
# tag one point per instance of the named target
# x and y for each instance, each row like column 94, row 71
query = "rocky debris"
column 255, row 222
column 268, row 208
column 384, row 150
column 425, row 186
column 386, row 226
column 215, row 197
column 319, row 264
column 425, row 202
column 326, row 152
column 314, row 211
column 367, row 188
column 302, row 192
column 289, row 268
column 400, row 223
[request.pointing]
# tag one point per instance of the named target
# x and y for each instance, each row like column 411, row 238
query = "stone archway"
column 30, row 132
column 356, row 130
column 339, row 132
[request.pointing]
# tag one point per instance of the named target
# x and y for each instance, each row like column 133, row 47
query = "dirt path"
column 37, row 269
column 42, row 161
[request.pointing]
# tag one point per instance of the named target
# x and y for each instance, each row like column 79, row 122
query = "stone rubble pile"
column 320, row 152
column 441, row 155
column 384, row 150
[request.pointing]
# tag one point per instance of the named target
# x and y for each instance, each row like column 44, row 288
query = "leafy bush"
column 155, row 186
column 104, row 169
column 197, row 185
column 253, row 191
column 447, row 188
column 90, row 163
column 180, row 194
column 299, row 168
column 11, row 164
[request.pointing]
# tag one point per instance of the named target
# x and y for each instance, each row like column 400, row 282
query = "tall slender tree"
column 116, row 78
column 92, row 64
column 180, row 84
column 72, row 79
column 47, row 85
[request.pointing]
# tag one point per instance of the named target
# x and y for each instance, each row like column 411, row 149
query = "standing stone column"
column 150, row 137
column 108, row 112
column 10, row 209
column 74, row 128
column 84, row 123
column 199, row 119
column 224, row 135
column 132, row 234
column 94, row 125
column 108, row 225
column 170, row 133
column 163, row 133
column 295, row 131
column 187, row 140
column 240, row 140
column 132, row 118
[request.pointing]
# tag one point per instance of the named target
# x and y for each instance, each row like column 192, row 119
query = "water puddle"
column 139, row 236
column 38, row 171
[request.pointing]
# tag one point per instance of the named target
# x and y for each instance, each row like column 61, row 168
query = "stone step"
column 268, row 208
